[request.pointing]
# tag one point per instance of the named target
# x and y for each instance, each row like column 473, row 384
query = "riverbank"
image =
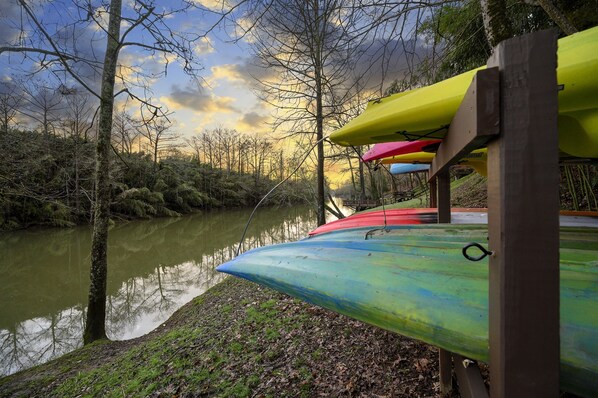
column 241, row 340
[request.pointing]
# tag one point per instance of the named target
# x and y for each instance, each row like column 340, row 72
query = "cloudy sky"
column 224, row 94
column 221, row 96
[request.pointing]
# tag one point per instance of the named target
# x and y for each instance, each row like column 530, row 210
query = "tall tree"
column 53, row 40
column 43, row 104
column 159, row 134
column 317, row 55
column 10, row 100
column 305, row 43
column 95, row 323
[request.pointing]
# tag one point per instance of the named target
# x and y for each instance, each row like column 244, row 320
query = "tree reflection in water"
column 155, row 267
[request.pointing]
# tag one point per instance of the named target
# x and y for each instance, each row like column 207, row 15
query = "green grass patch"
column 227, row 309
column 317, row 354
column 272, row 334
column 139, row 372
column 236, row 347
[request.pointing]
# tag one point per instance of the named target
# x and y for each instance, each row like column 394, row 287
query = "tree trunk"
column 281, row 166
column 319, row 117
column 361, row 175
column 558, row 17
column 496, row 24
column 4, row 122
column 320, row 171
column 354, row 192
column 95, row 324
column 156, row 154
column 45, row 124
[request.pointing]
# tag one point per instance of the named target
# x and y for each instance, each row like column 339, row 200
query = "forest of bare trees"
column 48, row 164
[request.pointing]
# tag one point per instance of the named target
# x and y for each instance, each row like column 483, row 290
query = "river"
column 154, row 267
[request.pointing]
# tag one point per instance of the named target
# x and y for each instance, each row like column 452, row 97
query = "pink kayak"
column 387, row 149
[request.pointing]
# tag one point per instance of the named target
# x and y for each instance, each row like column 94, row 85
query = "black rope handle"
column 370, row 233
column 482, row 249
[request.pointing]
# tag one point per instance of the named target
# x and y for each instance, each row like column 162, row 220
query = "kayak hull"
column 380, row 218
column 425, row 113
column 476, row 159
column 406, row 168
column 387, row 149
column 413, row 280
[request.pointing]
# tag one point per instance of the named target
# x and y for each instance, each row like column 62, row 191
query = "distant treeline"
column 46, row 179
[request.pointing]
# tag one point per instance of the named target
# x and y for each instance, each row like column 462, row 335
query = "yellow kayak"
column 426, row 112
column 476, row 159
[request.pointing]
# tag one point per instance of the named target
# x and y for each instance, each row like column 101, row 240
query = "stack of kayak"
column 416, row 117
column 381, row 218
column 388, row 149
column 414, row 156
column 476, row 159
column 388, row 217
column 426, row 113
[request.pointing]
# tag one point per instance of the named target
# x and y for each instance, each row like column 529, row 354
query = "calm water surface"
column 154, row 267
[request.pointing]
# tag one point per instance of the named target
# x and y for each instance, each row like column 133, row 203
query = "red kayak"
column 388, row 149
column 402, row 216
column 379, row 218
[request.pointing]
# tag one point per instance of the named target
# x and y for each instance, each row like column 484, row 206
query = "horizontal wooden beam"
column 474, row 124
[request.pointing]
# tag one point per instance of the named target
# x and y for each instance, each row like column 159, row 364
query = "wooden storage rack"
column 511, row 107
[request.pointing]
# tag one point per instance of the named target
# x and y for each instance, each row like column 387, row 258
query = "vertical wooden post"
column 523, row 221
column 444, row 197
column 445, row 360
column 433, row 193
column 445, row 365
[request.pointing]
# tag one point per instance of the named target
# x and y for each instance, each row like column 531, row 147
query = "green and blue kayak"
column 426, row 112
column 414, row 280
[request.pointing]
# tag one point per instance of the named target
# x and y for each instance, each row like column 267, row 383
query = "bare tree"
column 124, row 132
column 77, row 125
column 318, row 54
column 258, row 150
column 42, row 104
column 232, row 151
column 159, row 134
column 80, row 110
column 304, row 42
column 196, row 147
column 10, row 101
